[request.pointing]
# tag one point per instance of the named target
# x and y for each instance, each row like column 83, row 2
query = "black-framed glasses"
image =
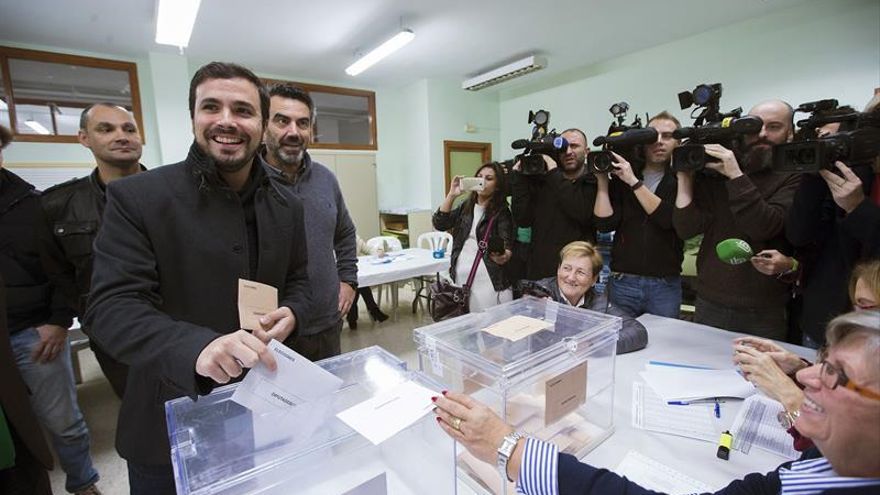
column 831, row 377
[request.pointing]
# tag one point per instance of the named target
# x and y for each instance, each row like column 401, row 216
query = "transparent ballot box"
column 221, row 447
column 545, row 368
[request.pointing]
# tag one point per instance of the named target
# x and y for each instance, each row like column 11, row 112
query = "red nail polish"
column 433, row 399
column 438, row 419
column 444, row 392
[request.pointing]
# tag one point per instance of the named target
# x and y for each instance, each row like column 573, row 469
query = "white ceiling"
column 316, row 40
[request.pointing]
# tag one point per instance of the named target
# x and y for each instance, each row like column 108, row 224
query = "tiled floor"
column 100, row 406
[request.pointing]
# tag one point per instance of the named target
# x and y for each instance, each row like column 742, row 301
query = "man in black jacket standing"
column 73, row 215
column 557, row 205
column 637, row 205
column 168, row 258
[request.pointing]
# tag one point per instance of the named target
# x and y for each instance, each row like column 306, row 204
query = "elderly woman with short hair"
column 579, row 266
column 841, row 413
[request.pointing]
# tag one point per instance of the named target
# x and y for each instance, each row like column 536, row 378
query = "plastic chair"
column 433, row 241
column 373, row 244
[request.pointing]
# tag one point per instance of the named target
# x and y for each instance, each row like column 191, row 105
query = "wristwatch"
column 506, row 450
column 787, row 418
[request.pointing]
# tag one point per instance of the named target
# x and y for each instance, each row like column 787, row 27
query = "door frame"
column 450, row 146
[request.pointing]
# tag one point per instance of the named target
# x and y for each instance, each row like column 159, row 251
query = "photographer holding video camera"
column 556, row 201
column 833, row 222
column 636, row 202
column 742, row 198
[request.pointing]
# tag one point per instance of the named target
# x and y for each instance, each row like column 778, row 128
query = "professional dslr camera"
column 857, row 141
column 543, row 142
column 710, row 127
column 622, row 139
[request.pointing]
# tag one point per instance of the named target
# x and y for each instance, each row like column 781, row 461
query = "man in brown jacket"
column 745, row 201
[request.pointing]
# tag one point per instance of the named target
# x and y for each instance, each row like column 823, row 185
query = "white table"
column 403, row 265
column 683, row 342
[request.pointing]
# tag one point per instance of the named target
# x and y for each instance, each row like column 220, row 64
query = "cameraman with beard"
column 557, row 205
column 748, row 203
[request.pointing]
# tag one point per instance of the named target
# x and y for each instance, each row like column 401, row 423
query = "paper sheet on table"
column 296, row 382
column 681, row 384
column 650, row 412
column 517, row 327
column 383, row 416
column 655, row 476
column 757, row 425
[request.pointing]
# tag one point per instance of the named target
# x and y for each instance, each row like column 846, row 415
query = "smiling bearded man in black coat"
column 173, row 245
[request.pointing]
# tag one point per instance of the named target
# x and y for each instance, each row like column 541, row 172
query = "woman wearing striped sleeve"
column 841, row 413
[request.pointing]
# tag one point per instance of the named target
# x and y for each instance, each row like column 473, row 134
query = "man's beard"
column 290, row 159
column 757, row 156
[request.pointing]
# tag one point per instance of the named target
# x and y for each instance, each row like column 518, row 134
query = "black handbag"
column 449, row 300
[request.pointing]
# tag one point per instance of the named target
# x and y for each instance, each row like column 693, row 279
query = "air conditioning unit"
column 507, row 72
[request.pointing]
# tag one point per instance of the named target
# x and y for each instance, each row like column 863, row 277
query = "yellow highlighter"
column 724, row 444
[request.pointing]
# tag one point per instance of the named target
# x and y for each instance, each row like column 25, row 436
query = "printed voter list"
column 295, row 382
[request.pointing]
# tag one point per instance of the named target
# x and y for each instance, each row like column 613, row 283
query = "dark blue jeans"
column 637, row 294
column 148, row 479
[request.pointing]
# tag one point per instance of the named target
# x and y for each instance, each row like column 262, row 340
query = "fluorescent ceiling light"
column 396, row 43
column 175, row 20
column 36, row 126
column 507, row 72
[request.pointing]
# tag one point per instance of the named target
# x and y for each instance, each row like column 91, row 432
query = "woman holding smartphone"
column 483, row 216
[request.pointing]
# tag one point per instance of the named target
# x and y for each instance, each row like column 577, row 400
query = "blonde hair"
column 869, row 271
column 583, row 249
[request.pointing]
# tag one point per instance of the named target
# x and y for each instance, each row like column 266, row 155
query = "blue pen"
column 717, row 409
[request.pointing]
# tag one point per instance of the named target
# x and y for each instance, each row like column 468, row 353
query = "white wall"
column 815, row 51
column 403, row 161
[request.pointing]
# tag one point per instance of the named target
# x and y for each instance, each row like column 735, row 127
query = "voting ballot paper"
column 254, row 301
column 297, row 381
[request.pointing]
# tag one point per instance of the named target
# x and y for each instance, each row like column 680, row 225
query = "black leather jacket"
column 460, row 222
column 73, row 212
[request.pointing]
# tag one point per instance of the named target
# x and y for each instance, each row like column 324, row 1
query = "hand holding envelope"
column 261, row 320
column 258, row 311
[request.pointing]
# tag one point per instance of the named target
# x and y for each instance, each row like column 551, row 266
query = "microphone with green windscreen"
column 734, row 251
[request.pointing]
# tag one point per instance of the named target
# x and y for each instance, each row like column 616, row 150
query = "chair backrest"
column 374, row 243
column 435, row 240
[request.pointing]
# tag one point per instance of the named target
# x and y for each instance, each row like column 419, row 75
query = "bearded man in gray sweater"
column 330, row 233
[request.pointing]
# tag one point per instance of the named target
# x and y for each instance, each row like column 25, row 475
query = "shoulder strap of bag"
column 481, row 249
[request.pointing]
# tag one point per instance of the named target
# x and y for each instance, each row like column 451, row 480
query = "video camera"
column 710, row 127
column 857, row 141
column 543, row 142
column 622, row 139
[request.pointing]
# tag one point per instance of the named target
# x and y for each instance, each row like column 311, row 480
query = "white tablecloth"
column 406, row 264
column 682, row 342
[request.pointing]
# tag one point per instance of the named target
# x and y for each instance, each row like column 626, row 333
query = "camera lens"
column 804, row 156
column 541, row 117
column 702, row 94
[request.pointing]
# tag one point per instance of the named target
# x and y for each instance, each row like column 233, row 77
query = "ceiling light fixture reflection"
column 396, row 43
column 175, row 20
column 37, row 127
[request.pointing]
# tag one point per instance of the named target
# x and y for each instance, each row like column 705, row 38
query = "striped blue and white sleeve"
column 538, row 473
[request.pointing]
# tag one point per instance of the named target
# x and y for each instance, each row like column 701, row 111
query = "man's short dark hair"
column 225, row 70
column 5, row 137
column 574, row 129
column 84, row 116
column 287, row 90
column 664, row 115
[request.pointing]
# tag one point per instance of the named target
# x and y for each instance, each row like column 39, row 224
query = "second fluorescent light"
column 175, row 20
column 382, row 51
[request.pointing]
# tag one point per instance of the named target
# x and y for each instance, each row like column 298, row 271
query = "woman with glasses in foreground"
column 840, row 413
